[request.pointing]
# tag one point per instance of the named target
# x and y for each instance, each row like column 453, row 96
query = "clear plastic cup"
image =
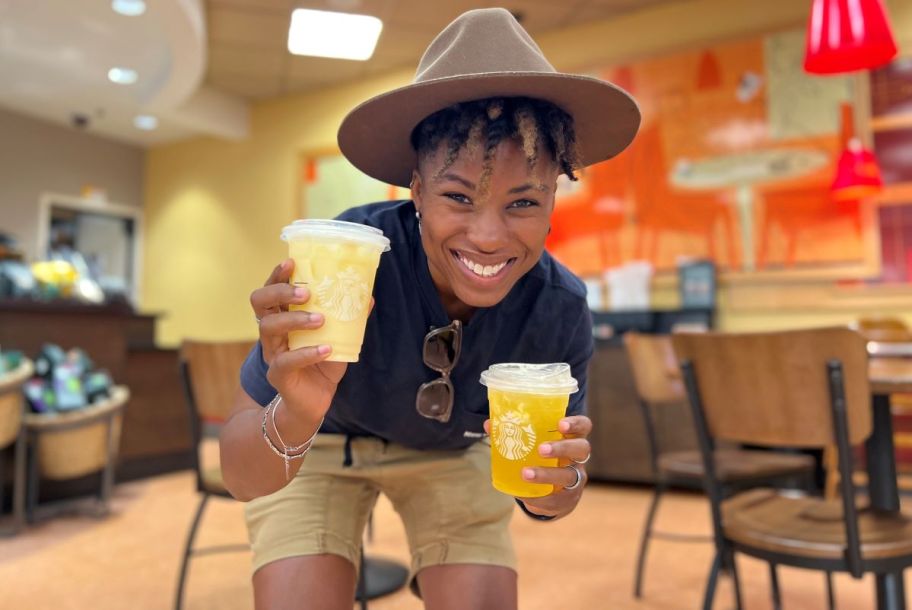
column 526, row 403
column 337, row 261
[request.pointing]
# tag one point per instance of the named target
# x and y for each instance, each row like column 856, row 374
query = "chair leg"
column 19, row 482
column 736, row 582
column 710, row 593
column 361, row 591
column 774, row 587
column 33, row 482
column 188, row 550
column 644, row 540
column 831, row 596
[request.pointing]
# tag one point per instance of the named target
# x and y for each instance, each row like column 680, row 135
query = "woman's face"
column 478, row 244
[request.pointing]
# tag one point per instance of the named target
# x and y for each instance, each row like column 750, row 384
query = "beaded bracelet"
column 286, row 453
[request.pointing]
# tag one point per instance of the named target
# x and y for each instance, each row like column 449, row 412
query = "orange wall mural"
column 733, row 163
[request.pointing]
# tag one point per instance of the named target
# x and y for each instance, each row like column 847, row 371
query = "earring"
column 418, row 216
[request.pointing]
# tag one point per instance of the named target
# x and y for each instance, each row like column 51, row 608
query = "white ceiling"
column 201, row 62
column 247, row 54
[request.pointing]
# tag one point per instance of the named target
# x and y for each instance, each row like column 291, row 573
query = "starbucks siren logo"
column 345, row 296
column 514, row 437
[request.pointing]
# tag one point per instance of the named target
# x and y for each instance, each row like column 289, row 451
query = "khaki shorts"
column 451, row 512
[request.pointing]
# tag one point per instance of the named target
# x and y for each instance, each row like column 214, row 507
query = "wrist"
column 294, row 427
column 535, row 516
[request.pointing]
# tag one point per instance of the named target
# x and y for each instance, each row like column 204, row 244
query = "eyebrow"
column 471, row 185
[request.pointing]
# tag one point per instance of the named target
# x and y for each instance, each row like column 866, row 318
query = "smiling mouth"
column 479, row 270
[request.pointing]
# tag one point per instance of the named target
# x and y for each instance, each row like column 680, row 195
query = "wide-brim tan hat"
column 483, row 53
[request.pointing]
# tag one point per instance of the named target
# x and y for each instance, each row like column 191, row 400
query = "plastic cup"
column 526, row 403
column 337, row 261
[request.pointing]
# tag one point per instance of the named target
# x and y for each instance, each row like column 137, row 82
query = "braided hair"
column 481, row 125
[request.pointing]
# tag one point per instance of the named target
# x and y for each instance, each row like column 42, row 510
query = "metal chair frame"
column 852, row 562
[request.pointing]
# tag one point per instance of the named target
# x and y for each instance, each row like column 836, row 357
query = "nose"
column 488, row 231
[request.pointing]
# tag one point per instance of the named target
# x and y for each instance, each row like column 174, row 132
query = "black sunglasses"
column 440, row 352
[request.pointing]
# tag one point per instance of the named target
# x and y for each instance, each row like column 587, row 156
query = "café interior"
column 747, row 262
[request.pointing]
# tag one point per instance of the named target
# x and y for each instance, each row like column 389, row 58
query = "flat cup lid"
column 551, row 379
column 336, row 230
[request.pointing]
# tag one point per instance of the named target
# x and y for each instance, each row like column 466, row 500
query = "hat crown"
column 478, row 42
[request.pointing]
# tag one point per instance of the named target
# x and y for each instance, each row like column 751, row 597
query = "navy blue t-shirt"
column 544, row 318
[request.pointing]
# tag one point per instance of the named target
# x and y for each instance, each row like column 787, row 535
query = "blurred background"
column 150, row 153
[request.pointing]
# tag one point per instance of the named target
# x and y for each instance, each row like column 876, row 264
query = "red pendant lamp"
column 857, row 174
column 847, row 35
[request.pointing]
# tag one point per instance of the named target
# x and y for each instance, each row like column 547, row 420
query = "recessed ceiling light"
column 146, row 122
column 122, row 76
column 130, row 8
column 330, row 34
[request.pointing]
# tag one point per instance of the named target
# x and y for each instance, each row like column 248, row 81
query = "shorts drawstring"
column 347, row 462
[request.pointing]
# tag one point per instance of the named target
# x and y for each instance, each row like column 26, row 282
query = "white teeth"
column 482, row 270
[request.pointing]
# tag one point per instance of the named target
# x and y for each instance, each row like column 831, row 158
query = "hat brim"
column 375, row 136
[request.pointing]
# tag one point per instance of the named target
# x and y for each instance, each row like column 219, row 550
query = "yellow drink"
column 338, row 264
column 527, row 401
column 520, row 422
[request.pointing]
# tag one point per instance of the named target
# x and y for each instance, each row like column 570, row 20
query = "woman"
column 480, row 138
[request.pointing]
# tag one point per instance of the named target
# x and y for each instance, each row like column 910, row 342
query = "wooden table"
column 887, row 375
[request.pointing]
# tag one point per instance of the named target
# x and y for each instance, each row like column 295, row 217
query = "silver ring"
column 579, row 476
column 584, row 461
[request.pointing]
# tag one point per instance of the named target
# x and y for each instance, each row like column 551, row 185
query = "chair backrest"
column 882, row 328
column 773, row 388
column 214, row 375
column 656, row 373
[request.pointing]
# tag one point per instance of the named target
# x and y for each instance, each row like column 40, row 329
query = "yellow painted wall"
column 214, row 208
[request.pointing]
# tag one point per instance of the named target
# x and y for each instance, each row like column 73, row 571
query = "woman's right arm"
column 304, row 380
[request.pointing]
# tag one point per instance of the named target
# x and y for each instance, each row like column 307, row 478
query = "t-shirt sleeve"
column 253, row 377
column 581, row 348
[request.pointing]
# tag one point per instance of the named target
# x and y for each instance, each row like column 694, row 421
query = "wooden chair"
column 886, row 329
column 12, row 407
column 211, row 375
column 658, row 382
column 806, row 388
column 881, row 331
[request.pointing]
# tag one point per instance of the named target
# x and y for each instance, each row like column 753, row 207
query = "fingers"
column 277, row 297
column 575, row 426
column 289, row 361
column 280, row 324
column 574, row 449
column 561, row 477
column 487, row 427
column 281, row 273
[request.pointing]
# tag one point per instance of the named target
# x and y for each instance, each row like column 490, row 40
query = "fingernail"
column 323, row 349
column 316, row 317
column 564, row 426
column 528, row 474
column 300, row 293
column 545, row 449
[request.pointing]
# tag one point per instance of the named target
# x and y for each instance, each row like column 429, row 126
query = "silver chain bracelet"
column 285, row 452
